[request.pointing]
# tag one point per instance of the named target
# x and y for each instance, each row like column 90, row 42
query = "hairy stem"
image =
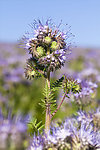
column 48, row 113
column 47, row 120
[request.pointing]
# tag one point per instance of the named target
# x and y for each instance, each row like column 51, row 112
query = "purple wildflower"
column 84, row 117
column 37, row 143
column 12, row 131
column 87, row 93
column 48, row 48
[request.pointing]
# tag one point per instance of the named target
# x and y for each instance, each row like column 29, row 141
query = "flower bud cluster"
column 71, row 85
column 33, row 69
column 47, row 48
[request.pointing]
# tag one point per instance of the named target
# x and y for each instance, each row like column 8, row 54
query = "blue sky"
column 82, row 15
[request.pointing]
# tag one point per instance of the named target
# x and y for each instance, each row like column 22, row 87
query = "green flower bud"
column 77, row 88
column 32, row 73
column 29, row 73
column 47, row 39
column 71, row 86
column 40, row 51
column 54, row 45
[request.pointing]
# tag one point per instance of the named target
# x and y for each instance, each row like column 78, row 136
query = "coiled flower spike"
column 47, row 47
column 71, row 85
column 33, row 69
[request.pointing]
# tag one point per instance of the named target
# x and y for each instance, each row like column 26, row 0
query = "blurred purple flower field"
column 20, row 96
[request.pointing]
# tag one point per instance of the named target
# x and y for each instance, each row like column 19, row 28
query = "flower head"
column 71, row 85
column 47, row 47
column 37, row 143
column 87, row 93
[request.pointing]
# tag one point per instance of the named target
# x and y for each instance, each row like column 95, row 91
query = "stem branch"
column 59, row 104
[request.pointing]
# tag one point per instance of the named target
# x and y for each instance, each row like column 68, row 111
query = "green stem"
column 48, row 113
column 47, row 120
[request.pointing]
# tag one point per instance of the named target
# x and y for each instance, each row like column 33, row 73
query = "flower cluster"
column 47, row 48
column 71, row 85
column 91, row 117
column 78, row 133
column 37, row 143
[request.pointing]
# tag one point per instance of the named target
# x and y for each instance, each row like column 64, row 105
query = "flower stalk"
column 47, row 119
column 48, row 113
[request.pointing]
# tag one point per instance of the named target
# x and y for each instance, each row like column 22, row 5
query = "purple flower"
column 12, row 78
column 76, row 133
column 12, row 131
column 13, row 75
column 48, row 48
column 51, row 138
column 3, row 62
column 84, row 117
column 87, row 93
column 86, row 134
column 37, row 143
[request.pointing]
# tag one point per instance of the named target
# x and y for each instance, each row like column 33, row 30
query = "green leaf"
column 49, row 98
column 41, row 127
column 34, row 126
column 42, row 105
column 38, row 124
column 57, row 84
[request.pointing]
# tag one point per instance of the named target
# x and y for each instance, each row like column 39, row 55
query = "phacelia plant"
column 48, row 49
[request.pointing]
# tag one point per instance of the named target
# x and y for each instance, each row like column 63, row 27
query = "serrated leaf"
column 41, row 104
column 41, row 127
column 35, row 121
column 33, row 126
column 43, row 100
column 57, row 84
column 38, row 124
